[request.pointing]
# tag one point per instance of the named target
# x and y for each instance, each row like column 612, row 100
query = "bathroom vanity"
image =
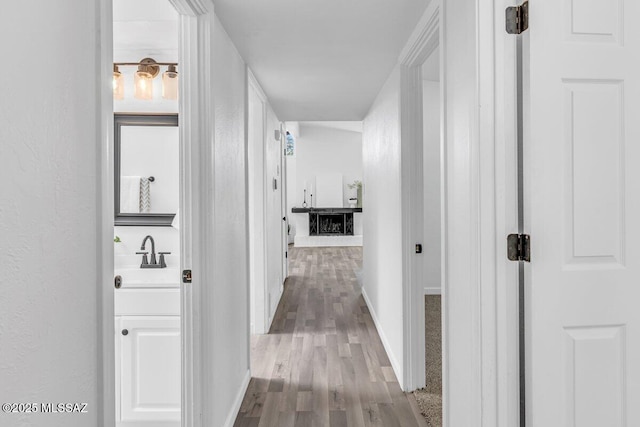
column 147, row 326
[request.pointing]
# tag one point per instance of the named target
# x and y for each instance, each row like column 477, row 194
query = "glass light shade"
column 143, row 82
column 170, row 84
column 118, row 85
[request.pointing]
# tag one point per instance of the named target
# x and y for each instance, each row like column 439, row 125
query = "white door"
column 283, row 202
column 148, row 374
column 582, row 205
column 273, row 203
column 257, row 221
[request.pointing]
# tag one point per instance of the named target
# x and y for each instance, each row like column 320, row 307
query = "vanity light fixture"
column 147, row 70
column 170, row 83
column 118, row 83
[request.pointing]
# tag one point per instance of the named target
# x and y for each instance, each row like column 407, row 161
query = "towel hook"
column 151, row 179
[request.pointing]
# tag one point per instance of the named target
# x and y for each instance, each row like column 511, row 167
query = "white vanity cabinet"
column 148, row 386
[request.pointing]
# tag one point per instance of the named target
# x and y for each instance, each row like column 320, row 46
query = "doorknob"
column 125, row 332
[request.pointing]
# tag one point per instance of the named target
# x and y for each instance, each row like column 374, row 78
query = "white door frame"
column 196, row 130
column 105, row 262
column 479, row 287
column 260, row 315
column 480, row 373
column 422, row 44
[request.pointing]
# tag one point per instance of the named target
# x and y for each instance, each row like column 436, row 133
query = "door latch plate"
column 186, row 276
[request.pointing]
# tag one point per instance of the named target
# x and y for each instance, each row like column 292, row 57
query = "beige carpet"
column 430, row 398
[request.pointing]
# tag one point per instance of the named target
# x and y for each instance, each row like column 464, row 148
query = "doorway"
column 266, row 200
column 429, row 397
column 147, row 194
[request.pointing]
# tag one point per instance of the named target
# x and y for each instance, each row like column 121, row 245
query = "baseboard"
column 327, row 241
column 385, row 343
column 235, row 409
column 432, row 291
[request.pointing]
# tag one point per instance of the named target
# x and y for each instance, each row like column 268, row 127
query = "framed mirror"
column 147, row 169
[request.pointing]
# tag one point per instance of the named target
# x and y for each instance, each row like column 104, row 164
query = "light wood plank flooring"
column 323, row 363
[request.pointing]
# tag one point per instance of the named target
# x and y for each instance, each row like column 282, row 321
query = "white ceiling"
column 341, row 125
column 320, row 60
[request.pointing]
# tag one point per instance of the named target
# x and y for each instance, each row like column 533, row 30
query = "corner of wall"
column 237, row 402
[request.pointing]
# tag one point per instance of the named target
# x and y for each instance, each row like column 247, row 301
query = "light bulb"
column 170, row 83
column 143, row 82
column 118, row 84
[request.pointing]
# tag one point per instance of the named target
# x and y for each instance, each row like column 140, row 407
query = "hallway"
column 323, row 363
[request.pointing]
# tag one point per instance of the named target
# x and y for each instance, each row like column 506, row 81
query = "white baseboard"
column 432, row 291
column 235, row 409
column 320, row 241
column 397, row 369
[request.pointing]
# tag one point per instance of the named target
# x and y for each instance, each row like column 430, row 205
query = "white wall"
column 432, row 248
column 50, row 340
column 382, row 254
column 323, row 150
column 229, row 295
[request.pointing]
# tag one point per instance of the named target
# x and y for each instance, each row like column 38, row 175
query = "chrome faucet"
column 153, row 249
column 145, row 261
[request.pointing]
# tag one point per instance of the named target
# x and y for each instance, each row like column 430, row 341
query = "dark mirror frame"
column 128, row 119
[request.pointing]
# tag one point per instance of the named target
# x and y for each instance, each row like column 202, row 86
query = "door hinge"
column 186, row 276
column 517, row 18
column 519, row 247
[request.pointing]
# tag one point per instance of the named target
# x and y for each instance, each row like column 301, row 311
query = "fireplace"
column 331, row 223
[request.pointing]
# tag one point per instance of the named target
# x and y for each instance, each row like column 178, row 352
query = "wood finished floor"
column 323, row 363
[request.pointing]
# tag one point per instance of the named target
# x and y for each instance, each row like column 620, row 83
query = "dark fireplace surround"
column 330, row 223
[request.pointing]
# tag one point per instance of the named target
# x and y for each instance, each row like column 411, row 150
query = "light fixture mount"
column 149, row 65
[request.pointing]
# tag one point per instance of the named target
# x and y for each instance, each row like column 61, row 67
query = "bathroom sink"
column 149, row 278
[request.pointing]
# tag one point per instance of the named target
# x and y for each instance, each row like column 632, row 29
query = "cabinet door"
column 149, row 371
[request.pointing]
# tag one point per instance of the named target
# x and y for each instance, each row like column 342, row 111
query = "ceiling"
column 316, row 60
column 320, row 60
column 350, row 126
